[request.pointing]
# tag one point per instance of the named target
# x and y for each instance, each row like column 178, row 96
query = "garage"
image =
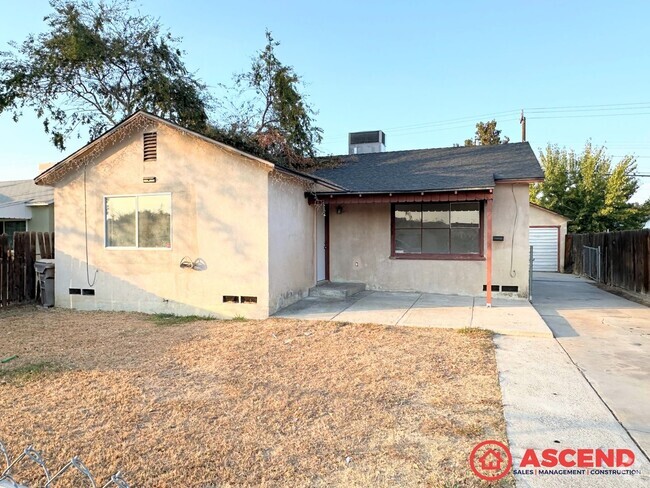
column 545, row 248
column 547, row 233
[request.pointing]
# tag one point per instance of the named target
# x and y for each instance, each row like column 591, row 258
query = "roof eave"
column 401, row 192
column 305, row 176
column 42, row 178
column 536, row 179
column 550, row 211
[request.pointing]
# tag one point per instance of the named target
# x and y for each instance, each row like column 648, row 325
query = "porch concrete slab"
column 548, row 404
column 385, row 308
column 443, row 311
column 319, row 308
column 507, row 316
column 510, row 317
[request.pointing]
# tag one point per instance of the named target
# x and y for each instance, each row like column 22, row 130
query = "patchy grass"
column 238, row 318
column 476, row 332
column 171, row 320
column 241, row 403
column 28, row 371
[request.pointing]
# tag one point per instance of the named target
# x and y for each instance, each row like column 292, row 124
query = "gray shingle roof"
column 449, row 168
column 24, row 191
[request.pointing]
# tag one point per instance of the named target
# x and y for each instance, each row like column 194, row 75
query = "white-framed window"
column 138, row 221
column 9, row 227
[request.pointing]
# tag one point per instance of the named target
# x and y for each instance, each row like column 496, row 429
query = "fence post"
column 599, row 261
column 530, row 275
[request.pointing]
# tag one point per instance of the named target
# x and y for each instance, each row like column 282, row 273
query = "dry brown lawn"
column 240, row 403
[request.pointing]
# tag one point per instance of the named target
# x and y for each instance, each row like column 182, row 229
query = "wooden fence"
column 17, row 274
column 624, row 257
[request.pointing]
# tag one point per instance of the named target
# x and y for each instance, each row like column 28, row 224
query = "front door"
column 321, row 242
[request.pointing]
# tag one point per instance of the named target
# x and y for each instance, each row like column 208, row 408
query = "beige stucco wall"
column 291, row 241
column 545, row 218
column 219, row 214
column 360, row 251
column 511, row 258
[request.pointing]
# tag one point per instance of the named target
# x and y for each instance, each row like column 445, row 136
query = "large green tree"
column 586, row 187
column 95, row 64
column 487, row 134
column 267, row 106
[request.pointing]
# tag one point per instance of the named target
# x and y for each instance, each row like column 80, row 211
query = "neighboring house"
column 156, row 218
column 25, row 206
column 548, row 231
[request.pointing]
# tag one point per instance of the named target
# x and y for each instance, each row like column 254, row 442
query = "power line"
column 589, row 106
column 587, row 115
column 534, row 113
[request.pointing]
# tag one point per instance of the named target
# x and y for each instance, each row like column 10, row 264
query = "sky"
column 424, row 72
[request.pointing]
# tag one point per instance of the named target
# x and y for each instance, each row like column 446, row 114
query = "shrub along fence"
column 17, row 258
column 624, row 258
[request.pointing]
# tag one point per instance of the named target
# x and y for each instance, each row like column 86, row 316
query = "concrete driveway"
column 608, row 338
column 507, row 316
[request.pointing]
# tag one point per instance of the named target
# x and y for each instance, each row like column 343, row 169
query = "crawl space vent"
column 494, row 287
column 510, row 288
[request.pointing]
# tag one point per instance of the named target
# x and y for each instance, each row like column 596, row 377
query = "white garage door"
column 545, row 248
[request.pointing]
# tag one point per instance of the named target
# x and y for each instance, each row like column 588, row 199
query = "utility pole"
column 522, row 121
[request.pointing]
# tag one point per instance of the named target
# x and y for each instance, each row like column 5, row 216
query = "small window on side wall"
column 138, row 221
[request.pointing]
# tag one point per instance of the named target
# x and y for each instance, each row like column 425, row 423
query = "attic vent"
column 150, row 140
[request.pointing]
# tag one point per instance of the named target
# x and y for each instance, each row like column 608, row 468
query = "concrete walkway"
column 507, row 316
column 548, row 404
column 608, row 338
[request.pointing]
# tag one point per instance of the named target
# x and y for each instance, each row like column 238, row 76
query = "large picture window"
column 443, row 230
column 138, row 221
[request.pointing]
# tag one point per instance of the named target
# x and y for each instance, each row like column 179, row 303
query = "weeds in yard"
column 475, row 332
column 29, row 371
column 171, row 320
column 238, row 318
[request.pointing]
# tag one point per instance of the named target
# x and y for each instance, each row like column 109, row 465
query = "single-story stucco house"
column 156, row 218
column 25, row 206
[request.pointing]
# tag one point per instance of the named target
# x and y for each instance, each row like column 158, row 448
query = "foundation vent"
column 494, row 287
column 150, row 141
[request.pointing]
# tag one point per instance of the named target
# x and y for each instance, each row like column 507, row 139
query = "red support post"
column 488, row 257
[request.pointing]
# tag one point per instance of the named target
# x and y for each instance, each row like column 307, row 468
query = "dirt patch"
column 273, row 403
